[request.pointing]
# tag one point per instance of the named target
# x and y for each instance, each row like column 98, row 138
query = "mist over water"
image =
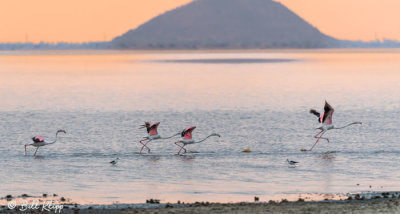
column 252, row 99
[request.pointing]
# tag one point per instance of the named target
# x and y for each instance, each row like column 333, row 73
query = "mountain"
column 226, row 24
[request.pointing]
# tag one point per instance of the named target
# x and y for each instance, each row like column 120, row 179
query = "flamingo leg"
column 144, row 145
column 148, row 148
column 36, row 151
column 181, row 150
column 141, row 142
column 322, row 133
column 184, row 148
column 25, row 151
column 176, row 143
column 181, row 147
column 321, row 136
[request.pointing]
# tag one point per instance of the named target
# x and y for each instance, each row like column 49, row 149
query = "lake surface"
column 255, row 99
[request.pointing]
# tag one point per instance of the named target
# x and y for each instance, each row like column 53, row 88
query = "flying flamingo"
column 187, row 138
column 326, row 120
column 152, row 134
column 38, row 141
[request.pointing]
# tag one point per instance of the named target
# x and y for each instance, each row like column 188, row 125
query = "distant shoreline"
column 150, row 51
column 107, row 45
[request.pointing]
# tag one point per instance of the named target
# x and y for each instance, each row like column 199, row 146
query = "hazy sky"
column 99, row 20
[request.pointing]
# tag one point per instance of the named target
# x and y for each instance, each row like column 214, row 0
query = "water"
column 255, row 99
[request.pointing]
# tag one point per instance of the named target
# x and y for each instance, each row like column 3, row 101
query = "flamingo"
column 39, row 141
column 186, row 139
column 152, row 134
column 326, row 120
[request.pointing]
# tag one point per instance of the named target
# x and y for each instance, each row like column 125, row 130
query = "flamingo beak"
column 142, row 126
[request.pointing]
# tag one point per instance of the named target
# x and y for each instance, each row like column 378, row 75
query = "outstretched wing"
column 187, row 133
column 327, row 116
column 146, row 125
column 152, row 130
column 314, row 112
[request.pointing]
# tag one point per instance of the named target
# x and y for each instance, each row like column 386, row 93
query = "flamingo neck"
column 354, row 123
column 203, row 139
column 55, row 140
column 170, row 136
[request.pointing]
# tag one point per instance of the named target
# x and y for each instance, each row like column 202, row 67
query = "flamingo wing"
column 38, row 139
column 146, row 125
column 152, row 130
column 187, row 133
column 327, row 116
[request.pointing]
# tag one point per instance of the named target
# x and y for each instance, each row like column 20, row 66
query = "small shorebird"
column 326, row 120
column 152, row 134
column 291, row 162
column 114, row 161
column 186, row 139
column 39, row 141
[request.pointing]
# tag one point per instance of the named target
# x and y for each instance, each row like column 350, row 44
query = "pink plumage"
column 38, row 139
column 153, row 129
column 187, row 133
column 326, row 117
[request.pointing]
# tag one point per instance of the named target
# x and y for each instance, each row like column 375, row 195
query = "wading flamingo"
column 326, row 120
column 187, row 138
column 152, row 135
column 38, row 141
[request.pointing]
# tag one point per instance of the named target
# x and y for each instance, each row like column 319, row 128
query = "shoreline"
column 343, row 206
column 381, row 205
column 371, row 202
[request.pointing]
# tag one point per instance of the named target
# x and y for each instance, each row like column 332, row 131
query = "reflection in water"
column 187, row 158
column 329, row 156
column 152, row 158
column 39, row 157
column 328, row 165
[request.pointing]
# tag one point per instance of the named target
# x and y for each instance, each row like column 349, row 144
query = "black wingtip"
column 314, row 112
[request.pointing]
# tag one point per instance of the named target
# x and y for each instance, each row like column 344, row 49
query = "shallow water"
column 255, row 99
